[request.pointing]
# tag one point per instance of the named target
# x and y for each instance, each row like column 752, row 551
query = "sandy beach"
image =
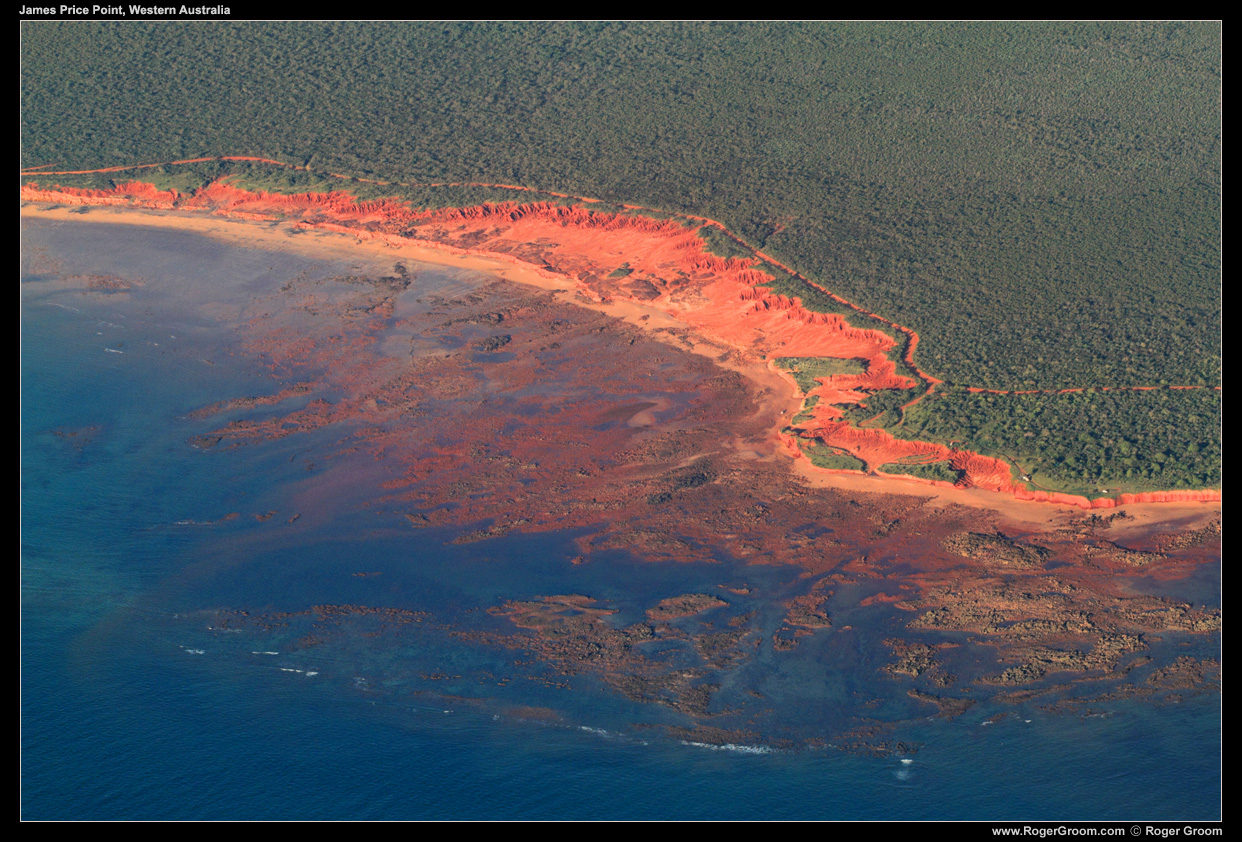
column 780, row 395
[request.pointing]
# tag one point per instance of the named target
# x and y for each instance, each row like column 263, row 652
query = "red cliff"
column 663, row 263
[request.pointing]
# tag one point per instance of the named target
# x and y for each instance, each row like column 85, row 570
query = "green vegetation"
column 1040, row 201
column 806, row 369
column 806, row 414
column 881, row 409
column 930, row 470
column 1087, row 441
column 827, row 457
column 720, row 243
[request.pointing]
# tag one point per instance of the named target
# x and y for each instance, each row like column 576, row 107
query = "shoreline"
column 779, row 392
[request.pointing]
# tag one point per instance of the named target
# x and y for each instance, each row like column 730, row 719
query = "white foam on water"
column 740, row 749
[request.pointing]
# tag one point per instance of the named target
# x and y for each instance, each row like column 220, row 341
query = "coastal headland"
column 658, row 274
column 603, row 375
column 621, row 420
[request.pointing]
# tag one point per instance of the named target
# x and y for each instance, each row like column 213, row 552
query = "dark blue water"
column 138, row 702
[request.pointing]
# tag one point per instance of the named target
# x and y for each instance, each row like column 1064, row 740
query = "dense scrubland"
column 1084, row 442
column 1040, row 202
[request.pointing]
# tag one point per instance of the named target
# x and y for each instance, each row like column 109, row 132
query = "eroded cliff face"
column 131, row 194
column 660, row 263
